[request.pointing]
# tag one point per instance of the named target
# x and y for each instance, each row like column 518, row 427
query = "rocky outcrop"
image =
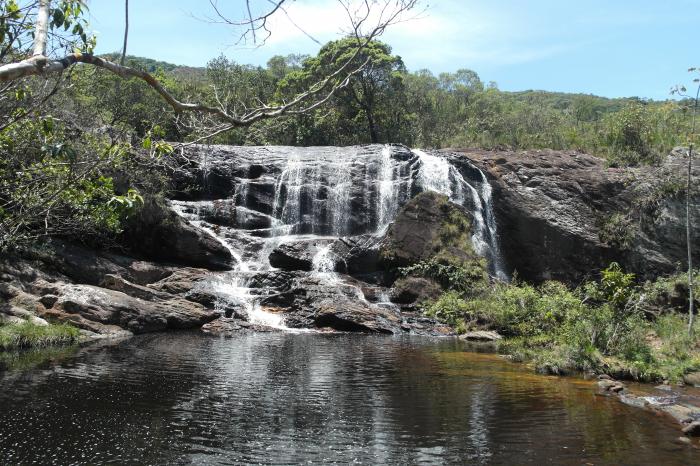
column 99, row 299
column 429, row 226
column 159, row 234
column 556, row 210
column 313, row 302
column 483, row 336
column 414, row 290
column 298, row 255
column 415, row 233
column 95, row 308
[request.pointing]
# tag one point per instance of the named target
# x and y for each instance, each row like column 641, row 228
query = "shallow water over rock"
column 292, row 398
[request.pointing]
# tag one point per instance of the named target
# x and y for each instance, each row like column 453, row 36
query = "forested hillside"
column 388, row 103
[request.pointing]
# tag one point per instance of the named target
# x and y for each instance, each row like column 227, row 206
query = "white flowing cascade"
column 322, row 194
column 439, row 175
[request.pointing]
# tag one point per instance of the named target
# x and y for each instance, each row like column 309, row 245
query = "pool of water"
column 296, row 398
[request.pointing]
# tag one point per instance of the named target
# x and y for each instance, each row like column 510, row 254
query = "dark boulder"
column 414, row 234
column 357, row 255
column 555, row 211
column 158, row 233
column 414, row 290
column 298, row 255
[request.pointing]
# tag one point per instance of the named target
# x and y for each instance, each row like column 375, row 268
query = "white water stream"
column 327, row 193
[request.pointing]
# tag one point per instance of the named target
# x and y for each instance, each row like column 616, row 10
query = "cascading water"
column 284, row 195
column 439, row 175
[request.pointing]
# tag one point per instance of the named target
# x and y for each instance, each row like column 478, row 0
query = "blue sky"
column 607, row 47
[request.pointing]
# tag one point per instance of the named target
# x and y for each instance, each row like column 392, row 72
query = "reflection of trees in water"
column 292, row 398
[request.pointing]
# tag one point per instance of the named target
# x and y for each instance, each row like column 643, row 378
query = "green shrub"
column 617, row 230
column 470, row 277
column 600, row 329
column 629, row 136
column 449, row 308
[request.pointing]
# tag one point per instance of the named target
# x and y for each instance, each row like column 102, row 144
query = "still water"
column 298, row 398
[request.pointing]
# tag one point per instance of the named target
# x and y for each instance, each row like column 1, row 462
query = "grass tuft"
column 30, row 335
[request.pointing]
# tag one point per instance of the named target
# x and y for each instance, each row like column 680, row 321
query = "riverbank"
column 37, row 333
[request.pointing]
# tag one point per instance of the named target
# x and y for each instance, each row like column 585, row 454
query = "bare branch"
column 316, row 95
column 126, row 30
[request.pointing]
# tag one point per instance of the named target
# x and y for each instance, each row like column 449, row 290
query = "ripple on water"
column 290, row 398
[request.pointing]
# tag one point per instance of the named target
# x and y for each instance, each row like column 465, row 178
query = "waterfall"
column 284, row 195
column 388, row 191
column 439, row 175
column 323, row 265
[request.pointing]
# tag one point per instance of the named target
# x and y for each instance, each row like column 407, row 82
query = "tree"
column 681, row 90
column 42, row 20
column 63, row 174
column 373, row 95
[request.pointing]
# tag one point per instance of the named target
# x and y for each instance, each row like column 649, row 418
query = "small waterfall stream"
column 439, row 175
column 286, row 195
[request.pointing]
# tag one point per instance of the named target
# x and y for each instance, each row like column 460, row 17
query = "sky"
column 613, row 48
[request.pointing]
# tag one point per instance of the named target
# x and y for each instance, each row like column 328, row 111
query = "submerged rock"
column 692, row 378
column 481, row 335
column 692, row 429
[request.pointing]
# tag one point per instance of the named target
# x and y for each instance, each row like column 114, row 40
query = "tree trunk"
column 126, row 30
column 688, row 233
column 42, row 28
column 373, row 133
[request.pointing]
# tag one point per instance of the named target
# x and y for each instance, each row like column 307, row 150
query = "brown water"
column 293, row 398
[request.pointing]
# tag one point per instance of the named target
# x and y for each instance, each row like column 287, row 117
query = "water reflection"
column 291, row 398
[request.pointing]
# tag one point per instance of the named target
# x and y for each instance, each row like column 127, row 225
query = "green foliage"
column 666, row 294
column 598, row 328
column 466, row 278
column 30, row 335
column 56, row 181
column 617, row 230
column 628, row 134
column 370, row 108
column 616, row 285
column 450, row 308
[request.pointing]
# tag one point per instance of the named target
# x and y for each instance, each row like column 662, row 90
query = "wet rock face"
column 414, row 290
column 315, row 190
column 297, row 255
column 159, row 234
column 93, row 308
column 314, row 303
column 415, row 232
column 552, row 205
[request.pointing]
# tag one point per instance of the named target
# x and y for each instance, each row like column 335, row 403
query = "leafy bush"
column 629, row 137
column 450, row 308
column 617, row 230
column 468, row 278
column 615, row 287
column 598, row 328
